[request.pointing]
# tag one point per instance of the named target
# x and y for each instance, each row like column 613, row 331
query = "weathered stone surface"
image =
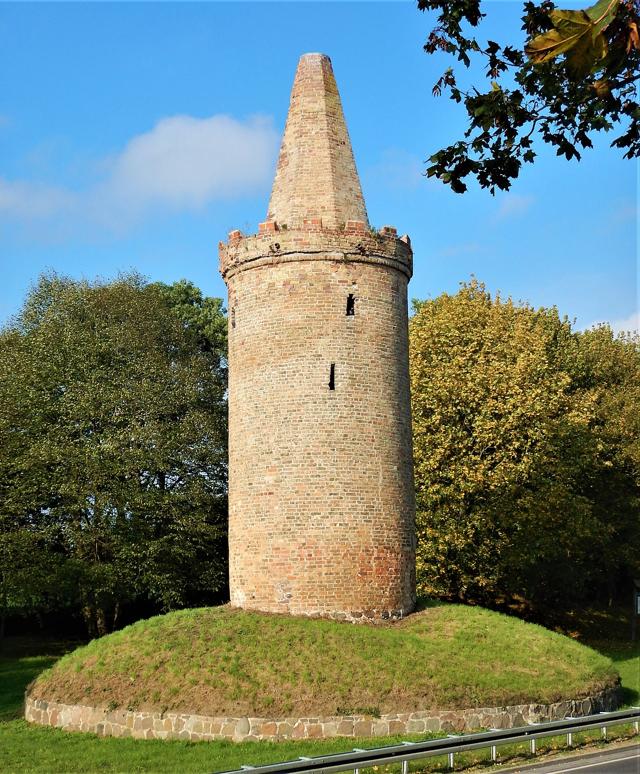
column 142, row 722
column 284, row 730
column 330, row 728
column 362, row 728
column 314, row 731
column 242, row 727
column 345, row 727
column 298, row 730
column 228, row 729
column 149, row 725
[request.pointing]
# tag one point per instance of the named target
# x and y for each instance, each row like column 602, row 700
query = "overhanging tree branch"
column 575, row 77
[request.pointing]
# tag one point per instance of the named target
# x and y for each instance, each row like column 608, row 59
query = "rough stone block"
column 242, row 727
column 314, row 730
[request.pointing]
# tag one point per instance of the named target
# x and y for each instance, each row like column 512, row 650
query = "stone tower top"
column 316, row 177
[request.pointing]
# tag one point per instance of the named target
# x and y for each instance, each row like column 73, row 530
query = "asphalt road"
column 625, row 760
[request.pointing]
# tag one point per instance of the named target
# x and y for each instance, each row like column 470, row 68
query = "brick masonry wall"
column 156, row 725
column 355, row 242
column 321, row 504
column 316, row 175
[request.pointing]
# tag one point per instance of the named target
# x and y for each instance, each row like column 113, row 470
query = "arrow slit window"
column 351, row 305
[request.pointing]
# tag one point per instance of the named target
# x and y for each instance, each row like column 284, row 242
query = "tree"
column 28, row 572
column 115, row 428
column 518, row 439
column 575, row 77
column 606, row 372
column 29, row 575
column 202, row 315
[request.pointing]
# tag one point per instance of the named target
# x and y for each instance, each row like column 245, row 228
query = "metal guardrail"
column 409, row 751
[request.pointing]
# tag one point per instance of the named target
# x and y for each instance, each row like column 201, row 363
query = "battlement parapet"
column 355, row 242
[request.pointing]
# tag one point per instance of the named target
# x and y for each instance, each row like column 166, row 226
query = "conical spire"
column 316, row 175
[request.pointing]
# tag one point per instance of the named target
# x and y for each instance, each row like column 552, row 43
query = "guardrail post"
column 494, row 753
column 405, row 767
column 569, row 739
column 532, row 744
column 451, row 764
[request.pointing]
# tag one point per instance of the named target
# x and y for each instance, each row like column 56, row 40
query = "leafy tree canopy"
column 113, row 439
column 202, row 315
column 526, row 442
column 575, row 77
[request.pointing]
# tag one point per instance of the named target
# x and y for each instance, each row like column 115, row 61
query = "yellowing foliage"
column 521, row 429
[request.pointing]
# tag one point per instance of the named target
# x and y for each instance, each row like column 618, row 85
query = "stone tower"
column 321, row 501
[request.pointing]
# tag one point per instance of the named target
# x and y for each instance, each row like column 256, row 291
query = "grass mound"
column 228, row 662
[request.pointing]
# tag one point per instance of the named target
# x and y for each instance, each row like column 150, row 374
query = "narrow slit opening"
column 332, row 377
column 351, row 305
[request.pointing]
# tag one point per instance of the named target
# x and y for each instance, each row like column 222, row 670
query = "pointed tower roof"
column 316, row 176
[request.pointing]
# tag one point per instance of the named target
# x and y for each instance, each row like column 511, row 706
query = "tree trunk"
column 101, row 622
column 89, row 615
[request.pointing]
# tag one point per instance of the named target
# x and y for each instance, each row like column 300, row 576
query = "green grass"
column 626, row 660
column 226, row 662
column 608, row 632
column 15, row 674
column 25, row 748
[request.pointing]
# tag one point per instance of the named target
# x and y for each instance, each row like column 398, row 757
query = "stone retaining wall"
column 172, row 725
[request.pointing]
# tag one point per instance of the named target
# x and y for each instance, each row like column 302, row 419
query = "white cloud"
column 621, row 325
column 513, row 205
column 183, row 163
column 25, row 200
column 630, row 323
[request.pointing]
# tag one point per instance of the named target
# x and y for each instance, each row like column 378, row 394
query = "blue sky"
column 135, row 136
